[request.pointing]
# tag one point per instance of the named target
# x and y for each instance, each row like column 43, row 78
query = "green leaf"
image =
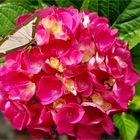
column 137, row 88
column 85, row 5
column 1, row 38
column 136, row 57
column 1, row 61
column 77, row 3
column 8, row 14
column 27, row 3
column 50, row 2
column 18, row 1
column 128, row 23
column 91, row 5
column 135, row 103
column 108, row 8
column 42, row 4
column 64, row 3
column 127, row 125
column 1, row 1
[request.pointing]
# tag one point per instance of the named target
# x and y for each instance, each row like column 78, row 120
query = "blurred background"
column 7, row 132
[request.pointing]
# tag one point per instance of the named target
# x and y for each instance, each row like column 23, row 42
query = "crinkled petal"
column 49, row 89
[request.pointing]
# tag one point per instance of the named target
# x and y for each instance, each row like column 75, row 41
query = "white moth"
column 21, row 36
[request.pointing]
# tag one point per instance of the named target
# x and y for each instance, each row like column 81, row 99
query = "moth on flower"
column 22, row 36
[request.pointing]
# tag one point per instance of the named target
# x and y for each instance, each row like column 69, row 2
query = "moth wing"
column 20, row 37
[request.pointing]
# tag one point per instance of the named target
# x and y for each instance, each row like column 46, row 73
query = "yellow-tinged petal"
column 106, row 106
column 97, row 99
column 58, row 103
column 54, row 62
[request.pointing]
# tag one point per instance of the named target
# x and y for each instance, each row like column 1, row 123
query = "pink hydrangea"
column 77, row 76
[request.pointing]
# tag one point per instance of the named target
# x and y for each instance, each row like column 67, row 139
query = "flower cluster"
column 78, row 75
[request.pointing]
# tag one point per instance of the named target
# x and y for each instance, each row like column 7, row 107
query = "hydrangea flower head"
column 77, row 76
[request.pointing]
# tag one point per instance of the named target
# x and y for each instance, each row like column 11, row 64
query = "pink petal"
column 72, row 58
column 18, row 86
column 56, row 48
column 45, row 12
column 85, row 134
column 91, row 109
column 16, row 113
column 131, row 77
column 66, row 19
column 96, row 129
column 122, row 91
column 22, row 19
column 13, row 78
column 71, row 113
column 23, row 92
column 83, row 82
column 71, row 72
column 32, row 61
column 65, row 128
column 47, row 92
column 42, row 37
column 108, row 125
column 104, row 39
column 49, row 70
column 3, row 99
column 41, row 122
column 95, row 23
column 114, row 67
